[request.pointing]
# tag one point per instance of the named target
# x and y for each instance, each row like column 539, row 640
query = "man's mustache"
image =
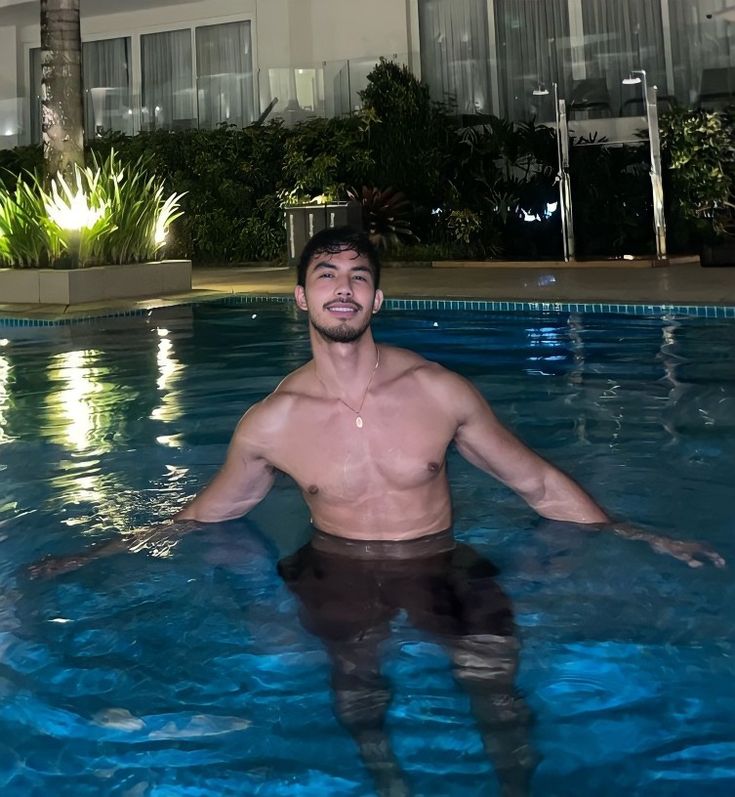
column 343, row 304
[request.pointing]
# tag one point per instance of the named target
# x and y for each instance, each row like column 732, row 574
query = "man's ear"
column 300, row 296
column 378, row 301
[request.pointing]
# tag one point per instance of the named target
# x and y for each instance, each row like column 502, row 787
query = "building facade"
column 199, row 63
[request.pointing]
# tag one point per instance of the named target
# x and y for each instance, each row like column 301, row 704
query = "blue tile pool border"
column 492, row 305
column 75, row 319
column 477, row 305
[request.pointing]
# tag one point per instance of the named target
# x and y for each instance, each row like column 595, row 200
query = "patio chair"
column 590, row 96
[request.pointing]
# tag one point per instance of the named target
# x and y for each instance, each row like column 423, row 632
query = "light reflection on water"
column 5, row 374
column 193, row 674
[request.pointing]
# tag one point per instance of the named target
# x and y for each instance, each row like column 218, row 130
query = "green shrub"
column 325, row 156
column 485, row 191
column 411, row 139
column 699, row 155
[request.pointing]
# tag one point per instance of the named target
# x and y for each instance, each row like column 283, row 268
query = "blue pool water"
column 191, row 675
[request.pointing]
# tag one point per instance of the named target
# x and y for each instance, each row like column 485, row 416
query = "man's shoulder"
column 270, row 413
column 424, row 377
column 404, row 362
column 291, row 388
column 408, row 363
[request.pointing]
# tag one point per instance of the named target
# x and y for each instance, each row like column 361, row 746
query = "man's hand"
column 694, row 554
column 52, row 566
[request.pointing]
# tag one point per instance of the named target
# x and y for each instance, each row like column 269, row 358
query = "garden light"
column 72, row 211
column 165, row 216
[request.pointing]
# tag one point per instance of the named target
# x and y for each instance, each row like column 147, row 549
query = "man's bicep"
column 484, row 441
column 243, row 481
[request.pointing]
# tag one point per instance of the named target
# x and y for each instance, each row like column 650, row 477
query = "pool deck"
column 684, row 284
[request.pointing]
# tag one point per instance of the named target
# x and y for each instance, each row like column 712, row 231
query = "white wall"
column 288, row 33
column 347, row 29
column 162, row 15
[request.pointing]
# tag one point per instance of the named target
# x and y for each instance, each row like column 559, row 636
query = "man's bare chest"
column 328, row 454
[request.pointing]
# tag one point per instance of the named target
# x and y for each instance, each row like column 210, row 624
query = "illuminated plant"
column 106, row 213
column 141, row 213
column 28, row 237
column 80, row 212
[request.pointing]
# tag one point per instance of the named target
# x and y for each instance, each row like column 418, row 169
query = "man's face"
column 339, row 295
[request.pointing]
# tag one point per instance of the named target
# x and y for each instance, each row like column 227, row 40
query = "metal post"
column 657, row 186
column 565, row 188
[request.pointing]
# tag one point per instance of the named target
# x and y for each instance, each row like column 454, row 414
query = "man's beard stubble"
column 341, row 333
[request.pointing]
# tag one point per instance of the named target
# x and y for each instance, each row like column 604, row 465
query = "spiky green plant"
column 28, row 238
column 80, row 211
column 385, row 215
column 142, row 214
column 106, row 213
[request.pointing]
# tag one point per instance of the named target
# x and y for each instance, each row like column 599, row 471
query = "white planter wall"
column 95, row 284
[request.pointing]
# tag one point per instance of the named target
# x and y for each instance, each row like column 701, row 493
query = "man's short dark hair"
column 335, row 240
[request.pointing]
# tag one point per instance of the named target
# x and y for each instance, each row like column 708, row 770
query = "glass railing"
column 327, row 89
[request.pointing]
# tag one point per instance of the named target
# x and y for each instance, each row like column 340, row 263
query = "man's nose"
column 343, row 286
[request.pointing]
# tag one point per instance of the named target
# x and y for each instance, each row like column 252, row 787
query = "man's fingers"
column 698, row 555
column 705, row 553
column 715, row 558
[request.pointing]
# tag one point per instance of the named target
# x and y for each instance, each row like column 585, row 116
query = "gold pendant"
column 358, row 422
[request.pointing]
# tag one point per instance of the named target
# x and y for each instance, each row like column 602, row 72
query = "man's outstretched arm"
column 483, row 440
column 242, row 482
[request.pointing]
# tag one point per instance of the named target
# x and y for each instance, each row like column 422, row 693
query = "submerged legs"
column 485, row 666
column 453, row 596
column 361, row 699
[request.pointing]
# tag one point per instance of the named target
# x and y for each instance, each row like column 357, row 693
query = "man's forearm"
column 157, row 541
column 561, row 498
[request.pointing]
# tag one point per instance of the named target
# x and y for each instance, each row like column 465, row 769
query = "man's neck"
column 344, row 367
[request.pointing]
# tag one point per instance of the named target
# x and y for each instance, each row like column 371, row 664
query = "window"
column 167, row 81
column 225, row 74
column 454, row 53
column 106, row 81
column 534, row 52
column 621, row 35
column 703, row 52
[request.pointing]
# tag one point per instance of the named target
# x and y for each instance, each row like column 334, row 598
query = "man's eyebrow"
column 327, row 264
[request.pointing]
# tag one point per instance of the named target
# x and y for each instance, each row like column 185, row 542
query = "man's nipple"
column 312, row 489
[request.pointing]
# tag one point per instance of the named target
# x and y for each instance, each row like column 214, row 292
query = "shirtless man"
column 364, row 430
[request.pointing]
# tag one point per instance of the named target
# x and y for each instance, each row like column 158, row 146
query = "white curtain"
column 454, row 53
column 106, row 80
column 699, row 44
column 533, row 51
column 225, row 74
column 621, row 35
column 168, row 93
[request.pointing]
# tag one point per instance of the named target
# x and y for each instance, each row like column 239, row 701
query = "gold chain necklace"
column 359, row 423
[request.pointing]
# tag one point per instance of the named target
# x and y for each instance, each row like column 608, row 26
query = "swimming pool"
column 191, row 675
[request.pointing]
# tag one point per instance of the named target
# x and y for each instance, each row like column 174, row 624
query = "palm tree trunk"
column 61, row 86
